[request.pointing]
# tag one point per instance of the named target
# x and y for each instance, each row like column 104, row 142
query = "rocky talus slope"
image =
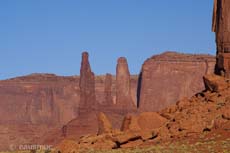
column 206, row 113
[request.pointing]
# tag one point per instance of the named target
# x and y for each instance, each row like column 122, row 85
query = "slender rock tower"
column 123, row 86
column 221, row 26
column 87, row 86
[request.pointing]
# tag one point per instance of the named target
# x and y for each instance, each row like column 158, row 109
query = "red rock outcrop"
column 144, row 122
column 123, row 86
column 130, row 123
column 170, row 76
column 87, row 86
column 214, row 83
column 221, row 26
column 39, row 99
column 192, row 120
column 108, row 90
column 50, row 102
column 104, row 125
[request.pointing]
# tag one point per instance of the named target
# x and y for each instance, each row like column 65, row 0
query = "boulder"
column 215, row 83
column 130, row 123
column 144, row 121
column 226, row 113
column 150, row 120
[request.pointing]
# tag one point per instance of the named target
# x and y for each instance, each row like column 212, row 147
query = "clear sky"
column 48, row 36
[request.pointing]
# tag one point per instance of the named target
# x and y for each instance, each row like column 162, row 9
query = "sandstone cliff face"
column 39, row 99
column 168, row 77
column 221, row 27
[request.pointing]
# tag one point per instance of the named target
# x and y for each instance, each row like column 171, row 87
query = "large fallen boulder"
column 130, row 122
column 215, row 83
column 143, row 122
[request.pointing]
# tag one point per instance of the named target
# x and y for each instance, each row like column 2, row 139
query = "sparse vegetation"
column 198, row 147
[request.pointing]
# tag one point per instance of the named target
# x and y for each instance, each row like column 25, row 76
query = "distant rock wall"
column 52, row 100
column 47, row 101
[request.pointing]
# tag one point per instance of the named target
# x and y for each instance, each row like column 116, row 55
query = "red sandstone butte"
column 170, row 76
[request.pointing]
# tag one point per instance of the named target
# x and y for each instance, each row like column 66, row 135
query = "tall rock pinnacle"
column 123, row 86
column 87, row 86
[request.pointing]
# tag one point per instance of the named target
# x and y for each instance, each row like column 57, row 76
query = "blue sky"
column 48, row 36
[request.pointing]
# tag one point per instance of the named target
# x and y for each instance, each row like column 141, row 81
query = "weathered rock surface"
column 215, row 83
column 188, row 119
column 221, row 26
column 143, row 122
column 108, row 90
column 123, row 86
column 104, row 125
column 129, row 137
column 206, row 113
column 39, row 99
column 169, row 77
column 130, row 123
column 87, row 86
column 52, row 102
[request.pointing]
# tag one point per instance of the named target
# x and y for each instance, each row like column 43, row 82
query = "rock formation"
column 123, row 86
column 221, row 26
column 205, row 116
column 168, row 77
column 145, row 121
column 39, row 99
column 129, row 123
column 50, row 102
column 87, row 86
column 108, row 89
column 104, row 125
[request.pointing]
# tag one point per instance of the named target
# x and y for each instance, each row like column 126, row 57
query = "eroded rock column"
column 87, row 86
column 123, row 86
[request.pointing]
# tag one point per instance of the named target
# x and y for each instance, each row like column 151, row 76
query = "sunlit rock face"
column 168, row 77
column 123, row 86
